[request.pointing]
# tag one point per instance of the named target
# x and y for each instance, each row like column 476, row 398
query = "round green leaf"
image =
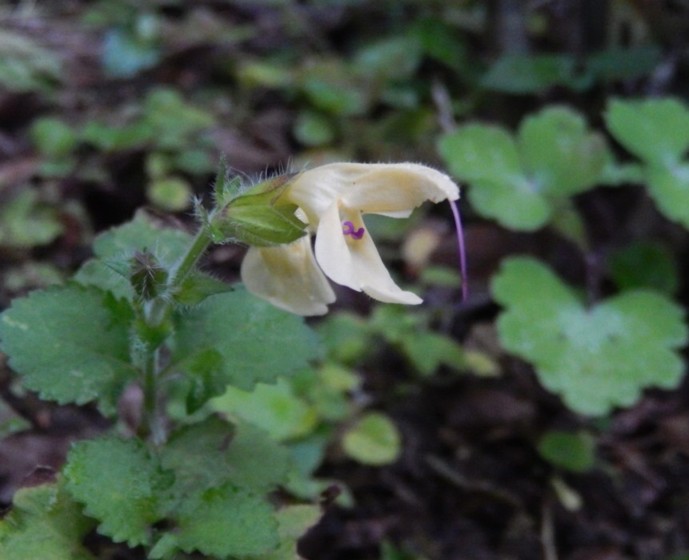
column 170, row 193
column 597, row 357
column 559, row 153
column 373, row 440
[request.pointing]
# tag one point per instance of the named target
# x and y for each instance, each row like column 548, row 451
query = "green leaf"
column 257, row 341
column 395, row 58
column 373, row 440
column 170, row 193
column 204, row 378
column 226, row 521
column 125, row 54
column 488, row 158
column 70, row 344
column 241, row 454
column 645, row 265
column 655, row 130
column 669, row 188
column 440, row 41
column 346, row 336
column 624, row 63
column 113, row 249
column 313, row 129
column 522, row 183
column 428, row 351
column 293, row 522
column 559, row 152
column 25, row 222
column 120, row 484
column 574, row 452
column 596, row 358
column 53, row 137
column 275, row 408
column 10, row 421
column 477, row 152
column 44, row 523
column 524, row 74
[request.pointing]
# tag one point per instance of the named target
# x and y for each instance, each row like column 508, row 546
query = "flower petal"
column 332, row 250
column 384, row 188
column 355, row 263
column 288, row 277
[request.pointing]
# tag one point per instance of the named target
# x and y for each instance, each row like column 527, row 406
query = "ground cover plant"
column 180, row 186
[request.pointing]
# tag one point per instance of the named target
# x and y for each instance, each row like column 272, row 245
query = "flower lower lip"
column 348, row 229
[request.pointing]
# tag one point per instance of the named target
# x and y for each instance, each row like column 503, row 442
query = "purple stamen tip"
column 348, row 229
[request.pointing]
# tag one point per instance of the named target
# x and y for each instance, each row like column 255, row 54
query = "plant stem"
column 155, row 314
column 186, row 264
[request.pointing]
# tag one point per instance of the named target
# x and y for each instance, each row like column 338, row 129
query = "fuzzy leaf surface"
column 226, row 522
column 596, row 358
column 243, row 455
column 120, row 485
column 257, row 342
column 70, row 344
column 44, row 523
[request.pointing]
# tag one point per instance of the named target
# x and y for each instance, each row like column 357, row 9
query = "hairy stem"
column 155, row 314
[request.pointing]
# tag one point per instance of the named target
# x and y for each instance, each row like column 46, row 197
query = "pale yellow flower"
column 332, row 199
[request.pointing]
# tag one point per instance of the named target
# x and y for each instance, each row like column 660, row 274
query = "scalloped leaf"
column 70, row 344
column 44, row 524
column 560, row 153
column 654, row 130
column 521, row 182
column 226, row 521
column 596, row 358
column 243, row 455
column 120, row 484
column 257, row 342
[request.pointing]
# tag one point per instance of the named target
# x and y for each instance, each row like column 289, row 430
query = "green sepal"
column 256, row 216
column 225, row 187
column 250, row 221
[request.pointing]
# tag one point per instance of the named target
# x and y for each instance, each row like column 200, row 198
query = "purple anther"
column 348, row 229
